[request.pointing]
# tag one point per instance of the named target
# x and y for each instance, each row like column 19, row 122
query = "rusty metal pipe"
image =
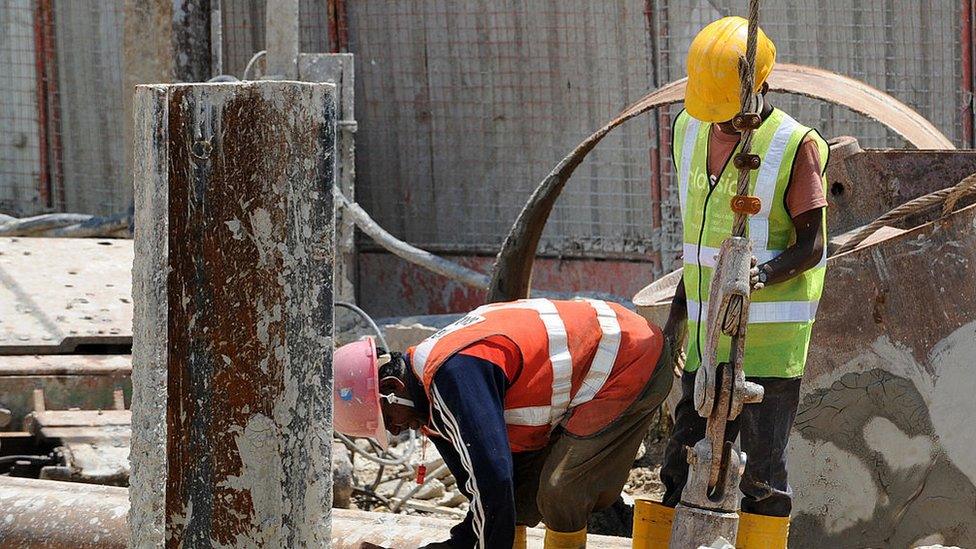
column 47, row 514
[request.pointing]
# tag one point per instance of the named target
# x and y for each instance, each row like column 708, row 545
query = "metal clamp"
column 743, row 161
column 747, row 121
column 748, row 205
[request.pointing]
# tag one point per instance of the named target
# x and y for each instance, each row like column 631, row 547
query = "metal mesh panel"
column 912, row 50
column 243, row 24
column 22, row 162
column 60, row 106
column 466, row 105
column 89, row 60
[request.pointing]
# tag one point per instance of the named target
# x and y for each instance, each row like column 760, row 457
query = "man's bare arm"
column 803, row 255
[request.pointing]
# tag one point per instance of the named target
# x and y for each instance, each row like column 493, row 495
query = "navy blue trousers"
column 764, row 429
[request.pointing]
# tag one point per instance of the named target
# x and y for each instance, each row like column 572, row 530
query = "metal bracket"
column 743, row 161
column 747, row 121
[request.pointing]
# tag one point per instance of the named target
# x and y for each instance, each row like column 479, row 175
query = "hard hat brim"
column 380, row 435
column 708, row 111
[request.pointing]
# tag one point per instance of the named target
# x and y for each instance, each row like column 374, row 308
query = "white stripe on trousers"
column 453, row 434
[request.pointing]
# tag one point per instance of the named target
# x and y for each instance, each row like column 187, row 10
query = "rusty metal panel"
column 881, row 452
column 869, row 183
column 58, row 293
column 233, row 279
column 882, row 447
column 391, row 287
column 67, row 381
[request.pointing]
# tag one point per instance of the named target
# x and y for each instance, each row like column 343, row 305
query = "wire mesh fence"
column 465, row 106
column 60, row 106
column 243, row 25
column 22, row 85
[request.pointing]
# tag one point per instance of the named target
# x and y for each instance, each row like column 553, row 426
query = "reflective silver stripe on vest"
column 606, row 353
column 562, row 362
column 687, row 151
column 559, row 356
column 765, row 312
column 765, row 189
column 708, row 255
column 529, row 416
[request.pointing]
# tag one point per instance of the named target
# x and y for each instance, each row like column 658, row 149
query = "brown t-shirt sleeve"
column 806, row 186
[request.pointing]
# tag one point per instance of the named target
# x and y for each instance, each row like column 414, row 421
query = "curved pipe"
column 512, row 273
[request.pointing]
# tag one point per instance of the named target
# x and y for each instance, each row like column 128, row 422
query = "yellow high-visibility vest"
column 781, row 315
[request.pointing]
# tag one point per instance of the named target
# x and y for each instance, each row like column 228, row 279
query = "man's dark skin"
column 803, row 255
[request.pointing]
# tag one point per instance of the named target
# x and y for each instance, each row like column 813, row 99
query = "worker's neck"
column 416, row 389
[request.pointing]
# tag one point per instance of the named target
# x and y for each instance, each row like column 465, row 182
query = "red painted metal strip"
column 55, row 171
column 338, row 26
column 43, row 182
column 966, row 41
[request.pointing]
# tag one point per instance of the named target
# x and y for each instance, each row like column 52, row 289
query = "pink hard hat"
column 356, row 391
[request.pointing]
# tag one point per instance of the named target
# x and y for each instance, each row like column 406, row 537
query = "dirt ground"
column 443, row 499
column 644, row 480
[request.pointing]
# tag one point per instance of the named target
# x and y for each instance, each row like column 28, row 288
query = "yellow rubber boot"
column 565, row 540
column 652, row 524
column 519, row 542
column 762, row 532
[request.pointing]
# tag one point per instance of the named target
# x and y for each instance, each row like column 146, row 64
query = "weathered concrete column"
column 232, row 337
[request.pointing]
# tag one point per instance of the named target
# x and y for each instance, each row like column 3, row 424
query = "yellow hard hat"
column 712, row 94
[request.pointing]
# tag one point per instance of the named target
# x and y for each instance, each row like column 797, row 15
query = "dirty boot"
column 652, row 524
column 565, row 540
column 519, row 542
column 762, row 532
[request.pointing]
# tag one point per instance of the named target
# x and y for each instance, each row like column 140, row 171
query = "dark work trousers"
column 574, row 476
column 765, row 431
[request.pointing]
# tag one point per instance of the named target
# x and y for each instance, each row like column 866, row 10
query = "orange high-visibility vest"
column 583, row 362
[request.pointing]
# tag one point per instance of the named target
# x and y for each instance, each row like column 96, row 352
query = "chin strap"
column 393, row 399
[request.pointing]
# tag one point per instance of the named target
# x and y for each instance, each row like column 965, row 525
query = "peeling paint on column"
column 247, row 345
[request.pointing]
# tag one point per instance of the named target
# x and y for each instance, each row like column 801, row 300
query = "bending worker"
column 788, row 241
column 538, row 408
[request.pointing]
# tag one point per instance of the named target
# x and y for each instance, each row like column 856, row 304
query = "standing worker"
column 538, row 408
column 787, row 237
